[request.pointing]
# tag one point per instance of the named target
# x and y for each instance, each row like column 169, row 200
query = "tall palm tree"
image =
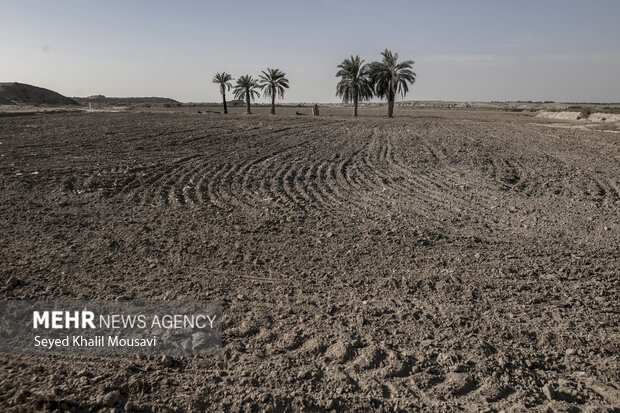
column 390, row 77
column 354, row 84
column 273, row 82
column 223, row 79
column 245, row 88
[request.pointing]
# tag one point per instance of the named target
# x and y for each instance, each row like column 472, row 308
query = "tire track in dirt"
column 393, row 184
column 364, row 172
column 435, row 188
column 424, row 191
column 184, row 181
column 243, row 182
column 504, row 174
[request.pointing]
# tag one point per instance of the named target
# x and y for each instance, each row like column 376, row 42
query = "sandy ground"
column 604, row 122
column 594, row 117
column 440, row 260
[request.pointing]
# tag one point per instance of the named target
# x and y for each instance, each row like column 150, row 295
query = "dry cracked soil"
column 437, row 261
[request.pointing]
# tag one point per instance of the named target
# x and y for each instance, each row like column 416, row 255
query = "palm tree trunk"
column 391, row 97
column 224, row 99
column 355, row 106
column 273, row 101
column 247, row 102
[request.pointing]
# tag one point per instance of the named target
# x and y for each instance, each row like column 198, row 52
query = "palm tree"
column 390, row 78
column 273, row 82
column 354, row 84
column 245, row 88
column 223, row 79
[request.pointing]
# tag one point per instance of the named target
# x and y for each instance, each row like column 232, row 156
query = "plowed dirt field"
column 440, row 260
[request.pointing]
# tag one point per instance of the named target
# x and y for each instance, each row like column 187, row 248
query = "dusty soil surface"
column 435, row 261
column 607, row 122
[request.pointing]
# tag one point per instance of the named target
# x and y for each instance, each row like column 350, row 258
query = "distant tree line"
column 358, row 82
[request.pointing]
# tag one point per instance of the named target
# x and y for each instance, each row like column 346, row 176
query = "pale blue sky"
column 463, row 50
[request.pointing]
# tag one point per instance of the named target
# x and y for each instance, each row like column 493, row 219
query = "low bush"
column 585, row 112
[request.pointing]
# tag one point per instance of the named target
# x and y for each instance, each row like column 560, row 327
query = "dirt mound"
column 23, row 93
column 117, row 101
column 567, row 115
column 4, row 101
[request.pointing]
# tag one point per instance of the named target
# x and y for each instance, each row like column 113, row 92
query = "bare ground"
column 436, row 261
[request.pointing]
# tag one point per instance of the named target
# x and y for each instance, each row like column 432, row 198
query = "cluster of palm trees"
column 358, row 82
column 383, row 79
column 272, row 82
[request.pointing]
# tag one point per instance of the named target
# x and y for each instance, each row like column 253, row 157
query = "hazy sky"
column 463, row 50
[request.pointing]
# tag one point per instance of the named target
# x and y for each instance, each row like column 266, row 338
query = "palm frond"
column 246, row 87
column 355, row 82
column 390, row 77
column 273, row 82
column 223, row 79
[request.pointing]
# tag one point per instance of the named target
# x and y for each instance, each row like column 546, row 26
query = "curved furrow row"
column 347, row 169
column 598, row 188
column 358, row 196
column 265, row 179
column 256, row 178
column 504, row 173
column 425, row 194
column 212, row 189
column 148, row 190
column 508, row 172
column 182, row 192
column 129, row 189
column 613, row 188
column 445, row 182
column 394, row 184
column 192, row 187
column 202, row 195
column 437, row 190
column 362, row 175
column 325, row 191
column 302, row 184
column 224, row 188
column 166, row 189
column 369, row 174
column 331, row 183
column 189, row 192
column 278, row 189
column 288, row 183
column 145, row 188
column 336, row 181
column 316, row 187
column 376, row 175
column 242, row 182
